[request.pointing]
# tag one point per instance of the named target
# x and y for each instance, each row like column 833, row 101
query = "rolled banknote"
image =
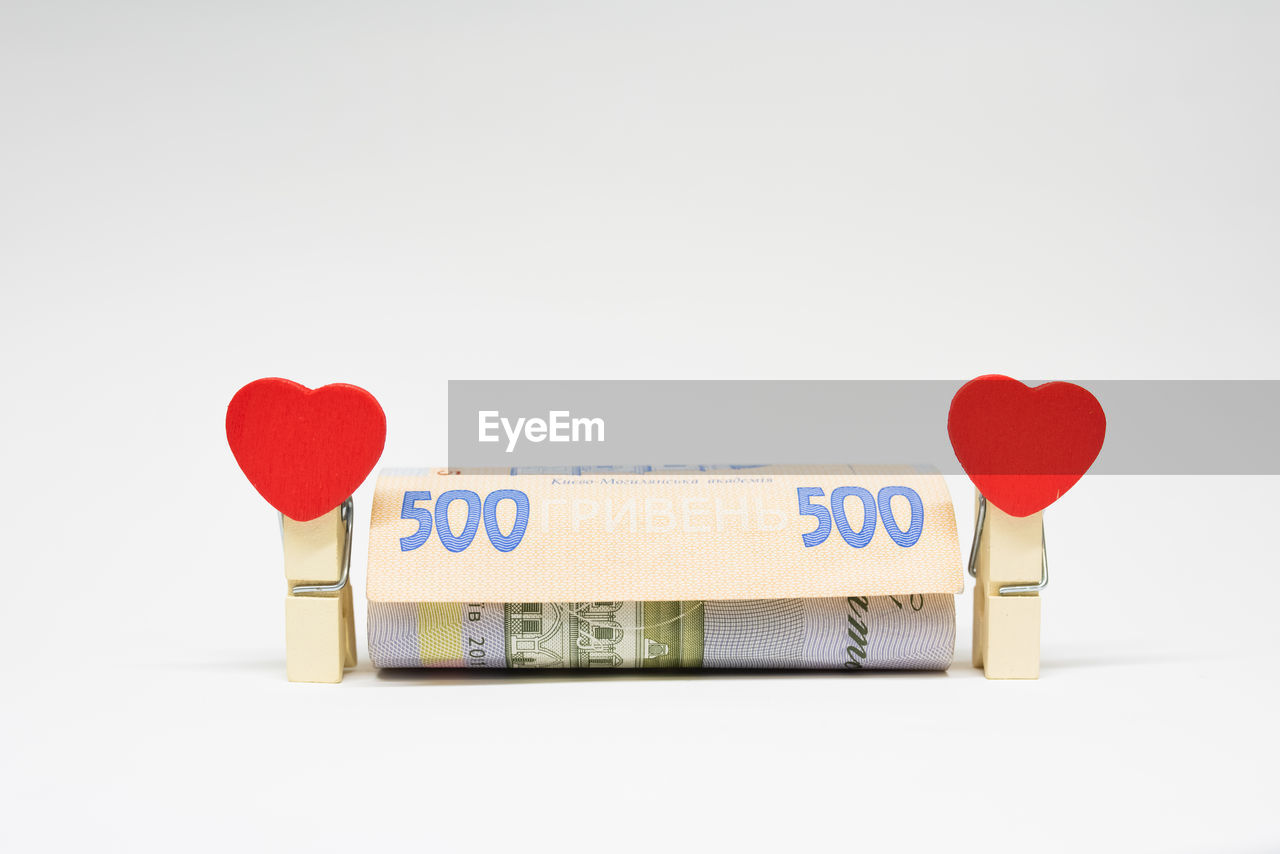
column 838, row 566
column 915, row 632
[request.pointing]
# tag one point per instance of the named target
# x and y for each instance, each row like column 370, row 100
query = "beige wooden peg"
column 1009, row 563
column 320, row 633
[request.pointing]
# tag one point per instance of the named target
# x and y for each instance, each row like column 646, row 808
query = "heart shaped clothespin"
column 1023, row 448
column 306, row 451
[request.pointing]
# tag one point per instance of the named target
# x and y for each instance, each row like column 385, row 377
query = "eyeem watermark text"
column 559, row 426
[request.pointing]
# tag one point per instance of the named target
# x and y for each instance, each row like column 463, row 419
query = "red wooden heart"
column 1024, row 447
column 305, row 450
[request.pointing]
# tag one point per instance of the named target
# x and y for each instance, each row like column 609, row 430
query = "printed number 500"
column 476, row 510
column 861, row 537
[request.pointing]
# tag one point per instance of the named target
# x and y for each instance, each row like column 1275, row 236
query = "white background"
column 193, row 195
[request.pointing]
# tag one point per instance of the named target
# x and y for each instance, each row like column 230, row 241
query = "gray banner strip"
column 1153, row 426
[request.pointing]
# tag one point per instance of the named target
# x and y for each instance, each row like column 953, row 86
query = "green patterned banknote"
column 854, row 633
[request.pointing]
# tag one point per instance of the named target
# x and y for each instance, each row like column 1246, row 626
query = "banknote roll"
column 832, row 567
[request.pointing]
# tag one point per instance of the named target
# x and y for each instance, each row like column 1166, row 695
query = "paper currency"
column 915, row 632
column 703, row 533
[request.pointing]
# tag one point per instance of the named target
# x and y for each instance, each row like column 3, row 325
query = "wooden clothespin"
column 1023, row 448
column 306, row 451
column 1006, row 552
column 319, row 617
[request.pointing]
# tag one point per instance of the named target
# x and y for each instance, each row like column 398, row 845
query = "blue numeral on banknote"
column 476, row 511
column 881, row 505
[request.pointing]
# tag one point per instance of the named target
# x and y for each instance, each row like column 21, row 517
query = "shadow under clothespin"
column 306, row 451
column 1023, row 448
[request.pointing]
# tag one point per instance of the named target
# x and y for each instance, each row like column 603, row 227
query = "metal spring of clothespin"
column 979, row 526
column 347, row 512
